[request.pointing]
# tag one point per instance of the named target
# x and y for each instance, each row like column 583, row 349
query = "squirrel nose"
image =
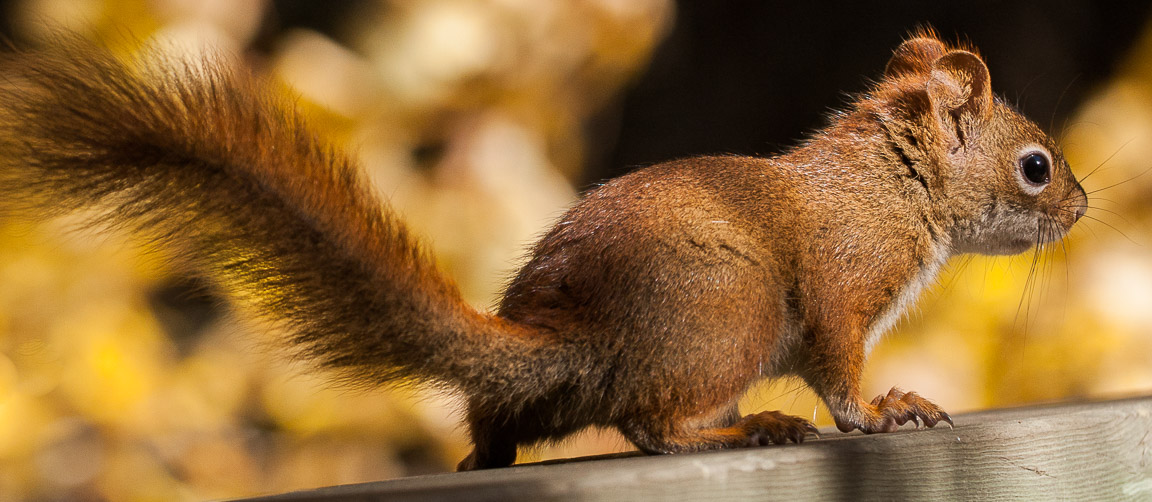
column 1081, row 204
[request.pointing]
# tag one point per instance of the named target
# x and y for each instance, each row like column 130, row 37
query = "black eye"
column 1036, row 169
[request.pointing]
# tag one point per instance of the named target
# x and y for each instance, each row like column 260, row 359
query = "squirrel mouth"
column 1048, row 229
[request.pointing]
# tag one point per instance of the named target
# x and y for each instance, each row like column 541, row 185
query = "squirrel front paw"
column 887, row 412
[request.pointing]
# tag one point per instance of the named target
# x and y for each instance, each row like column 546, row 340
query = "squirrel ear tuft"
column 960, row 84
column 915, row 56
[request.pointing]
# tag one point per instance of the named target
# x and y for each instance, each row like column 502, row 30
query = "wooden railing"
column 1086, row 451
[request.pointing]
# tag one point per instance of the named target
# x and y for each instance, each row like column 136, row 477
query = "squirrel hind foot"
column 760, row 429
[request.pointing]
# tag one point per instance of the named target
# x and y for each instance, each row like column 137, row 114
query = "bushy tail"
column 198, row 156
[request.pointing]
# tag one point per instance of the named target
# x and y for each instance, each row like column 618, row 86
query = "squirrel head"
column 995, row 180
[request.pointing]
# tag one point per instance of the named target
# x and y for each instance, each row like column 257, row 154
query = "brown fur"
column 650, row 307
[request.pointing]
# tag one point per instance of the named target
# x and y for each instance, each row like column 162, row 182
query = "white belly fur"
column 906, row 297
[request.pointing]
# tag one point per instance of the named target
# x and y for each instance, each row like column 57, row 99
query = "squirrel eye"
column 1036, row 168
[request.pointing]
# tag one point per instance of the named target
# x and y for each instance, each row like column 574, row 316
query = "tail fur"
column 200, row 157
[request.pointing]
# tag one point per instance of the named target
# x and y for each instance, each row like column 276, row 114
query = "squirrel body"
column 650, row 307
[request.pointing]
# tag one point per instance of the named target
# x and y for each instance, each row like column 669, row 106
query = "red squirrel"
column 650, row 307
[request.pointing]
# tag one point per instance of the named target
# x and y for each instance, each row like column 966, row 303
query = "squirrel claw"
column 811, row 429
column 889, row 411
column 944, row 417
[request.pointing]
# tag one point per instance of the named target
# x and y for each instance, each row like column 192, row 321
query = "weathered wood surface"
column 1087, row 451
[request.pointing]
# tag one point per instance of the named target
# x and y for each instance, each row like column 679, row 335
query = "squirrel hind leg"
column 760, row 429
column 493, row 445
column 490, row 450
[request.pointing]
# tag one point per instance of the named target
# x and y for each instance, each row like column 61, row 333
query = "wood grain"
column 1084, row 451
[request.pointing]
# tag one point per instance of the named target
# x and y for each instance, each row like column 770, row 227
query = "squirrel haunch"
column 650, row 307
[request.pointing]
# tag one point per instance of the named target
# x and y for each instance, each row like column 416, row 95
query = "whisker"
column 1052, row 119
column 1028, row 285
column 1055, row 246
column 1118, row 214
column 1142, row 173
column 1062, row 135
column 1102, row 222
column 789, row 390
column 958, row 271
column 796, row 395
column 1067, row 278
column 1102, row 199
column 1053, row 236
column 1088, row 229
column 987, row 266
column 1081, row 180
column 1045, row 263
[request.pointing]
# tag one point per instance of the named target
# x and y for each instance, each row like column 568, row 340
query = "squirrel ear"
column 914, row 56
column 960, row 84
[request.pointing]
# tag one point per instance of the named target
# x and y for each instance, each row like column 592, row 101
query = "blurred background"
column 481, row 121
